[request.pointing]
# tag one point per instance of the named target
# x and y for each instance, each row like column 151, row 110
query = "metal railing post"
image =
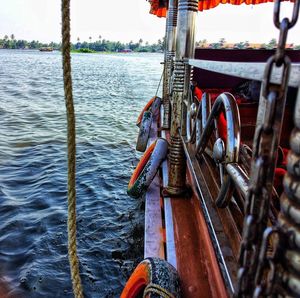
column 170, row 49
column 185, row 48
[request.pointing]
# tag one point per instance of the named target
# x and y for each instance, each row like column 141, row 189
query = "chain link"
column 266, row 264
column 276, row 15
column 254, row 263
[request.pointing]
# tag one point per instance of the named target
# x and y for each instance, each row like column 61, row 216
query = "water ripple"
column 109, row 92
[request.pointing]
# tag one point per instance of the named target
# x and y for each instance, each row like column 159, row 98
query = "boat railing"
column 201, row 121
column 201, row 128
column 202, row 139
column 247, row 70
column 220, row 167
column 228, row 158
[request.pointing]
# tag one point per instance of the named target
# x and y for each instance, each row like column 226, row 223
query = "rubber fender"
column 145, row 127
column 147, row 168
column 152, row 271
column 155, row 107
column 153, row 104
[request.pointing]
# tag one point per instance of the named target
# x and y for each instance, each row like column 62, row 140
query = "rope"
column 157, row 289
column 72, row 250
column 159, row 83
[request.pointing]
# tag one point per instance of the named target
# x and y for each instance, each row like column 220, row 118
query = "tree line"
column 99, row 45
column 222, row 44
column 103, row 45
column 10, row 42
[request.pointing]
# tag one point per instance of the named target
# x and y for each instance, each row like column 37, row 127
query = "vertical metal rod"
column 170, row 48
column 185, row 48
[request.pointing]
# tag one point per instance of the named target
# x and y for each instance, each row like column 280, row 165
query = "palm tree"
column 222, row 42
column 90, row 38
column 13, row 41
column 5, row 37
column 272, row 43
column 202, row 43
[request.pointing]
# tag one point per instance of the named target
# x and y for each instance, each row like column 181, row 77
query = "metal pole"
column 170, row 49
column 185, row 47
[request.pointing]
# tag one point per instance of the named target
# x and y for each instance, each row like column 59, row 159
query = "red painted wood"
column 197, row 265
column 209, row 79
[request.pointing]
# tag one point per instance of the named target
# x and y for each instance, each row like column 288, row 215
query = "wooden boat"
column 224, row 207
column 46, row 49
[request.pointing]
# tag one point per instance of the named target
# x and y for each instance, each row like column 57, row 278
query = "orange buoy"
column 153, row 103
column 153, row 275
column 150, row 112
column 4, row 288
column 147, row 168
column 146, row 108
column 144, row 131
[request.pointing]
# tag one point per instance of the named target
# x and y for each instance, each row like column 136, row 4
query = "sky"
column 129, row 20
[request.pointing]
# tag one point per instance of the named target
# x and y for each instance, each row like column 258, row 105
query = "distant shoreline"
column 80, row 52
column 100, row 45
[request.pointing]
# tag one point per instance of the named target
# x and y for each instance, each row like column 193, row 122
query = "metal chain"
column 252, row 260
column 266, row 265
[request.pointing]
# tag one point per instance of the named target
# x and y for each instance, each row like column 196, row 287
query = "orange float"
column 147, row 168
column 147, row 107
column 153, row 276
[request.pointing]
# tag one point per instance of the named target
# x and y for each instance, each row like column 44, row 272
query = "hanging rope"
column 159, row 84
column 72, row 250
column 157, row 289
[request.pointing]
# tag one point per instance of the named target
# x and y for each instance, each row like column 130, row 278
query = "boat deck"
column 176, row 229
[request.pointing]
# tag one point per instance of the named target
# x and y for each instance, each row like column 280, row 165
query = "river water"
column 109, row 92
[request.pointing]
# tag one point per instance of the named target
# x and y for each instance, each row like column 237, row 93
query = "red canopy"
column 159, row 7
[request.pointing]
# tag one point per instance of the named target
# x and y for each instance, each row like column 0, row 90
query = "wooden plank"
column 154, row 245
column 247, row 70
column 197, row 264
column 169, row 225
column 170, row 240
column 190, row 246
column 219, row 238
column 224, row 214
column 153, row 242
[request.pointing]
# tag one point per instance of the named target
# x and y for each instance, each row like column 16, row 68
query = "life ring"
column 154, row 103
column 147, row 168
column 144, row 131
column 153, row 276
